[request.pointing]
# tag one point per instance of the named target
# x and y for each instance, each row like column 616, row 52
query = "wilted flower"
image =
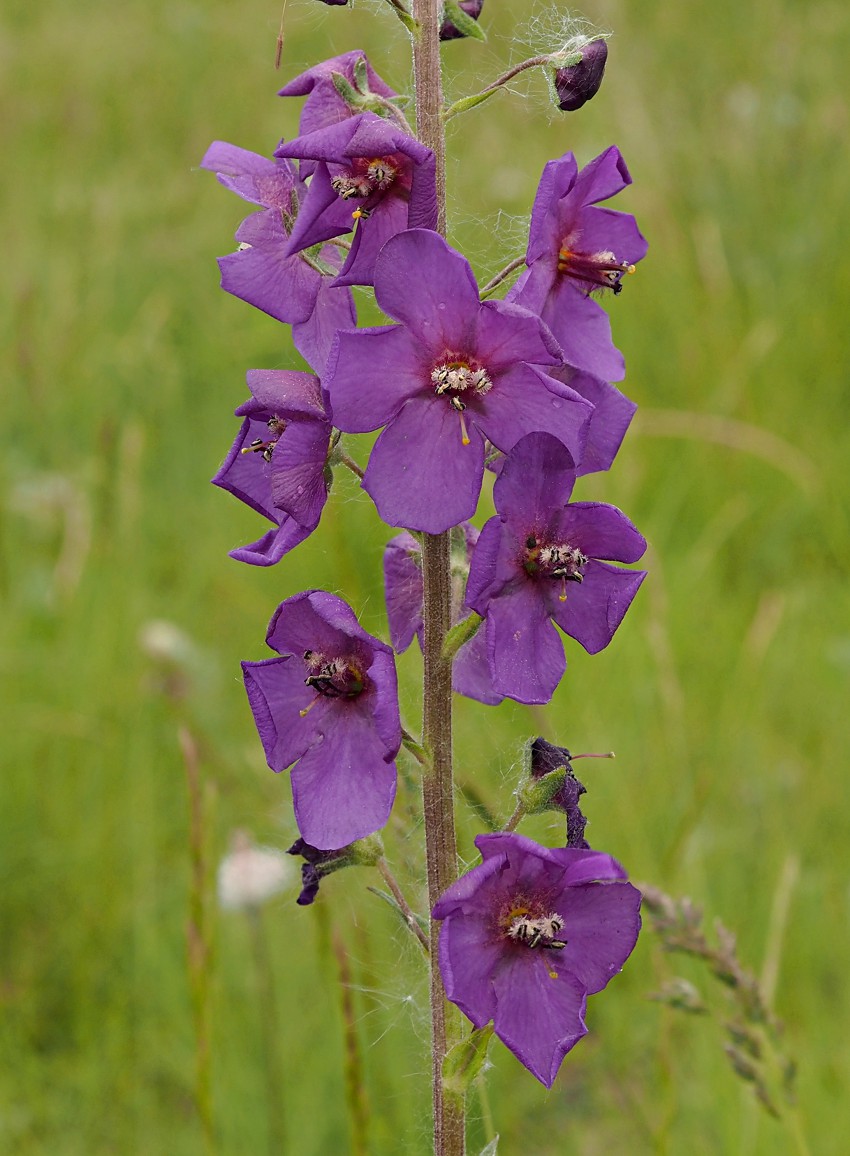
column 371, row 176
column 528, row 935
column 455, row 372
column 545, row 758
column 249, row 875
column 575, row 249
column 576, row 84
column 329, row 704
column 278, row 463
column 317, row 864
column 540, row 559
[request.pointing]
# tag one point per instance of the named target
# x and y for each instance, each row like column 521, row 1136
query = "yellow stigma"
column 552, row 974
column 562, row 597
column 465, row 435
column 309, row 707
column 357, row 214
column 631, row 269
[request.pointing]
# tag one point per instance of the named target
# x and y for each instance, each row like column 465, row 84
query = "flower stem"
column 406, row 909
column 501, row 275
column 468, row 102
column 437, row 786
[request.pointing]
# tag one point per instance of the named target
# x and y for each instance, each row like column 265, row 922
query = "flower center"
column 366, row 177
column 455, row 376
column 541, row 931
column 258, row 446
column 560, row 561
column 599, row 270
column 332, row 677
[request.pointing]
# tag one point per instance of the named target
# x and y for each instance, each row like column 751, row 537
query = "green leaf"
column 465, row 1061
column 460, row 634
column 467, row 102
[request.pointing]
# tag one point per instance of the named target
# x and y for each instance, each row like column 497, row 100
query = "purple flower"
column 263, row 272
column 470, row 8
column 324, row 105
column 455, row 372
column 278, row 463
column 538, row 560
column 546, row 758
column 528, row 935
column 329, row 704
column 403, row 592
column 575, row 249
column 371, row 175
column 578, row 83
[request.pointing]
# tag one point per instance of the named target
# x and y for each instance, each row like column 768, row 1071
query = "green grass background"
column 725, row 694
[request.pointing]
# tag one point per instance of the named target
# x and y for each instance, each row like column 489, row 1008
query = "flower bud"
column 577, row 83
column 453, row 26
column 362, row 853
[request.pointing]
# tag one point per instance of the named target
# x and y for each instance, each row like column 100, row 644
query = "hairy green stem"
column 437, row 784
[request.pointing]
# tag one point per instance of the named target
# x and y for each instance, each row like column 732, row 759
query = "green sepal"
column 535, row 795
column 404, row 16
column 361, row 74
column 461, row 633
column 366, row 852
column 465, row 1061
column 347, row 91
column 467, row 102
column 465, row 25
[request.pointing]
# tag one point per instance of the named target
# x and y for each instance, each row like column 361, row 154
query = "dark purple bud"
column 335, row 2
column 546, row 758
column 576, row 85
column 470, row 8
column 362, row 853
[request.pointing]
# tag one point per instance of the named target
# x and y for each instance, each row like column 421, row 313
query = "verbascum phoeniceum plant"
column 457, row 383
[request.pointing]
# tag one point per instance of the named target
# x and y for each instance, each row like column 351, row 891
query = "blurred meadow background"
column 724, row 695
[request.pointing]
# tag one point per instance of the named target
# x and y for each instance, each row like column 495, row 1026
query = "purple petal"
column 471, row 675
column 253, row 177
column 342, row 788
column 277, row 693
column 388, row 218
column 595, row 607
column 285, row 392
column 314, row 337
column 526, row 654
column 493, row 565
column 371, row 373
column 428, row 286
column 603, row 177
column 601, row 926
column 507, row 333
column 536, row 479
column 610, row 419
column 525, row 400
column 558, row 177
column 316, row 620
column 248, row 476
column 540, row 1012
column 601, row 531
column 403, row 590
column 322, row 215
column 581, row 327
column 468, row 960
column 265, row 275
column 472, row 892
column 269, row 549
column 420, row 474
column 298, row 470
